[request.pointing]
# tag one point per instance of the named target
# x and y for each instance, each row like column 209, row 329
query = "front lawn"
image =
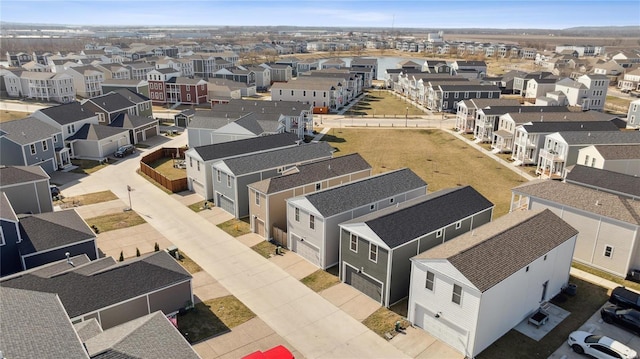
column 188, row 263
column 110, row 222
column 265, row 249
column 90, row 166
column 235, row 227
column 607, row 276
column 213, row 317
column 439, row 158
column 320, row 280
column 85, row 199
column 383, row 321
column 589, row 299
column 381, row 103
column 166, row 167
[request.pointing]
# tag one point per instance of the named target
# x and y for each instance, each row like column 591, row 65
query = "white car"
column 599, row 346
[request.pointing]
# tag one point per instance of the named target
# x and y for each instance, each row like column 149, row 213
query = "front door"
column 544, row 291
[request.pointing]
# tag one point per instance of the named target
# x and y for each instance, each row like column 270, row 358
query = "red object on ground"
column 278, row 352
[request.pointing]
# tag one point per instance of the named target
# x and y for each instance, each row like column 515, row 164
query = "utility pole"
column 129, row 189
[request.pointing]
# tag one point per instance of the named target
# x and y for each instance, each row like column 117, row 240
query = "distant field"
column 12, row 115
column 436, row 156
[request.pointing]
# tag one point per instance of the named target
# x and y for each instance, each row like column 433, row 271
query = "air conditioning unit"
column 634, row 275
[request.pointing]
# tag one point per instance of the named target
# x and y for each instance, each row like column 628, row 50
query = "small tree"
column 121, row 257
column 137, row 252
column 156, row 247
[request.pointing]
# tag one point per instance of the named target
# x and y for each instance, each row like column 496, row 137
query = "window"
column 44, row 145
column 456, row 297
column 353, row 243
column 455, row 95
column 478, row 94
column 55, row 139
column 318, row 186
column 229, row 181
column 608, row 251
column 373, row 252
column 257, row 198
column 188, row 97
column 297, row 211
column 198, row 165
column 33, row 148
column 1, row 237
column 430, row 280
column 593, row 162
column 458, row 224
column 218, row 176
column 446, row 95
column 490, row 94
column 586, row 160
column 100, row 116
column 372, row 207
column 312, row 221
column 439, row 233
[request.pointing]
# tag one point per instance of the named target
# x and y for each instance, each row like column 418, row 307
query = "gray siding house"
column 375, row 249
column 27, row 188
column 233, row 175
column 29, row 142
column 313, row 220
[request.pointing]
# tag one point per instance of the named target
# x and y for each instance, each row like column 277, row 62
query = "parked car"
column 277, row 352
column 599, row 346
column 125, row 150
column 625, row 298
column 626, row 318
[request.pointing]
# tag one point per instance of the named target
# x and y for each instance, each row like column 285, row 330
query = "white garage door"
column 226, row 204
column 441, row 329
column 197, row 187
column 109, row 148
column 305, row 250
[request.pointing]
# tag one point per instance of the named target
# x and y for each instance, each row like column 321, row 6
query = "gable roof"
column 279, row 157
column 609, row 181
column 250, row 145
column 6, row 210
column 496, row 250
column 125, row 120
column 313, row 172
column 601, row 203
column 111, row 102
column 550, row 127
column 150, row 336
column 67, row 113
column 82, row 294
column 93, row 132
column 523, row 117
column 409, row 220
column 35, row 325
column 619, row 152
column 356, row 194
column 259, row 124
column 44, row 231
column 10, row 175
column 601, row 137
column 27, row 130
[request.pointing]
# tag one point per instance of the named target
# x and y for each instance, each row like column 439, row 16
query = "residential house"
column 222, row 90
column 611, row 69
column 115, row 71
column 351, row 82
column 262, row 77
column 608, row 181
column 633, row 115
column 10, row 85
column 520, row 80
column 233, row 175
column 366, row 63
column 87, row 80
column 47, row 86
column 588, row 91
column 630, row 81
column 143, row 102
column 467, row 110
column 313, row 219
column 30, row 142
column 561, row 148
column 623, row 159
column 26, row 188
column 185, row 66
column 470, row 69
column 604, row 212
column 278, row 72
column 140, row 128
column 111, row 292
column 97, row 142
column 324, row 94
column 18, row 59
column 445, row 96
column 537, row 87
column 109, row 106
column 236, row 74
column 267, row 198
column 503, row 136
column 186, row 91
column 305, row 65
column 375, row 249
column 139, row 70
column 136, row 86
column 184, row 117
column 334, row 63
column 529, row 137
column 201, row 158
column 290, row 61
column 470, row 291
column 158, row 84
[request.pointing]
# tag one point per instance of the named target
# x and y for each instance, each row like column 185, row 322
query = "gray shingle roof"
column 601, row 137
column 619, row 152
column 35, row 325
column 523, row 117
column 314, row 172
column 501, row 110
column 10, row 175
column 259, row 124
column 127, row 121
column 112, row 102
column 356, row 194
column 496, row 250
column 49, row 230
column 614, row 182
column 96, row 132
column 27, row 130
column 396, row 226
column 586, row 199
column 151, row 336
column 272, row 159
column 67, row 113
column 461, row 86
column 6, row 211
column 82, row 294
column 550, row 127
column 87, row 329
column 236, row 148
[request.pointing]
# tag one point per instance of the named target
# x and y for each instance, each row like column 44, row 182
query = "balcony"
column 551, row 155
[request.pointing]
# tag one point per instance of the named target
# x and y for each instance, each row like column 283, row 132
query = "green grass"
column 320, row 280
column 235, row 227
column 110, row 222
column 588, row 300
column 383, row 103
column 90, row 166
column 213, row 317
column 607, row 276
column 439, row 158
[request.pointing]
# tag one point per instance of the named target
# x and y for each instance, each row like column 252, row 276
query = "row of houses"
column 93, row 129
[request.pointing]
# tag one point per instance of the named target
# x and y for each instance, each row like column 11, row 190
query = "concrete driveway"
column 596, row 326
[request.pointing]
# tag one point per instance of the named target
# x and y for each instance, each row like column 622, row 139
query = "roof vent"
column 68, row 259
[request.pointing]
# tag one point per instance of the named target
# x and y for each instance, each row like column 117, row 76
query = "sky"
column 441, row 14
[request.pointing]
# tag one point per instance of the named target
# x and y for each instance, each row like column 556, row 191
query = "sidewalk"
column 593, row 278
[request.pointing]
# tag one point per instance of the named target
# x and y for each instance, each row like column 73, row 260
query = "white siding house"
column 471, row 290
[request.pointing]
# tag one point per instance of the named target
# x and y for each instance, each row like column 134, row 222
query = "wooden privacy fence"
column 280, row 237
column 175, row 185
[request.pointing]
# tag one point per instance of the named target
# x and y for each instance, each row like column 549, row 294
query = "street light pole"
column 129, row 189
column 406, row 118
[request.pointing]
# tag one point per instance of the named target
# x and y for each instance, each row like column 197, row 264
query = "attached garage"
column 109, row 148
column 441, row 328
column 305, row 250
column 197, row 187
column 258, row 226
column 150, row 132
column 363, row 283
column 225, row 203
